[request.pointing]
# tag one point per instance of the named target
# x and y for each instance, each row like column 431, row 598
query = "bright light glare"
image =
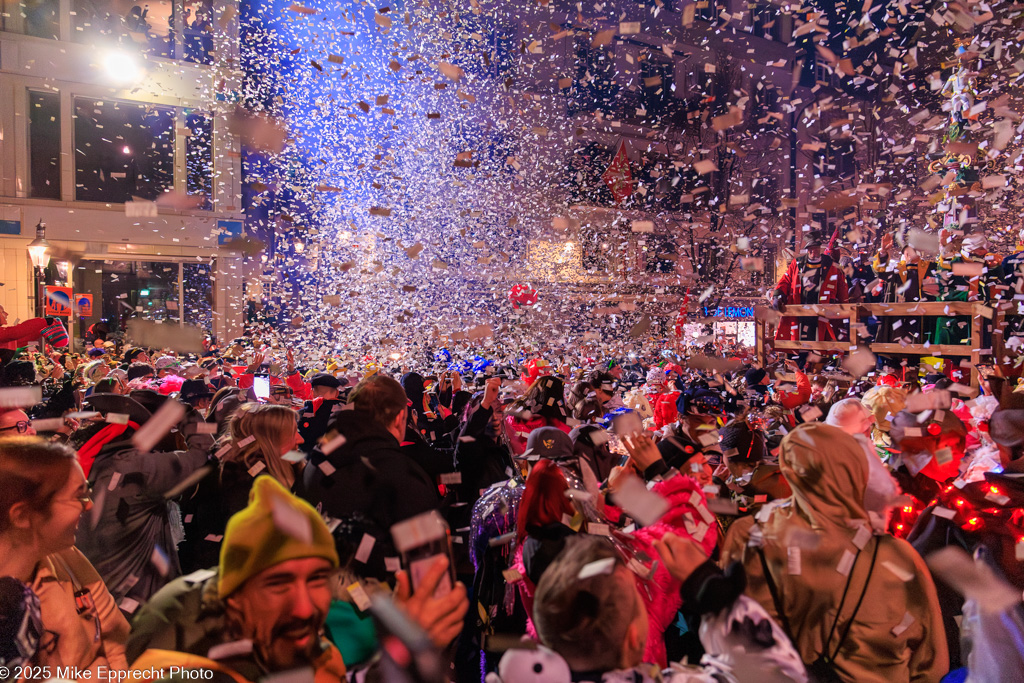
column 122, row 68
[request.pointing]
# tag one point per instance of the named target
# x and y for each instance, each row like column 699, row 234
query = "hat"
column 91, row 372
column 812, row 239
column 700, row 399
column 655, row 376
column 548, row 443
column 95, row 352
column 275, row 527
column 884, row 402
column 55, row 334
column 136, row 370
column 132, row 354
column 754, row 376
column 539, row 665
column 116, row 403
column 323, row 379
column 750, row 444
column 165, row 362
column 194, row 389
column 150, row 399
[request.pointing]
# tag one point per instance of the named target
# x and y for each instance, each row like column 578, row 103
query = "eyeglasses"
column 82, row 500
column 22, row 427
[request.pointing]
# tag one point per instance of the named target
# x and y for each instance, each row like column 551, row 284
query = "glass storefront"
column 164, row 291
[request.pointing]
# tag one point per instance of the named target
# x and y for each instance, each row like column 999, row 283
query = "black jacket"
column 133, row 519
column 480, row 457
column 206, row 509
column 371, row 475
column 313, row 421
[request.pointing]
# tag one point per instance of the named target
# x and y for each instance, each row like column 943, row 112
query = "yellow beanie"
column 275, row 527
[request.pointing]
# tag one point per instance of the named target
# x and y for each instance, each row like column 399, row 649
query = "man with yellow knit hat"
column 272, row 585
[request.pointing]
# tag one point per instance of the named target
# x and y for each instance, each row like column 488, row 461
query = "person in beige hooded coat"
column 818, row 545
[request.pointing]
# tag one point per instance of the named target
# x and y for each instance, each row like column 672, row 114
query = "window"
column 657, row 85
column 155, row 27
column 39, row 18
column 44, row 144
column 766, row 276
column 122, row 150
column 708, row 256
column 838, row 159
column 661, row 254
column 707, row 9
column 197, row 31
column 199, row 157
column 594, row 87
column 554, row 261
column 197, row 286
column 129, row 289
column 146, row 26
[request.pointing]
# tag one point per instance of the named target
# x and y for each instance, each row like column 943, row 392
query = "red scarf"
column 91, row 448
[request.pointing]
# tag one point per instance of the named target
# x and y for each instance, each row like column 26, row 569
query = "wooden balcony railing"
column 855, row 314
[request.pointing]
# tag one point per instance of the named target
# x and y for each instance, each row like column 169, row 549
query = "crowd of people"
column 241, row 514
column 966, row 270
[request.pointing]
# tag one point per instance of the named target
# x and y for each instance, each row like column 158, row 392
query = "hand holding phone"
column 261, row 388
column 441, row 616
column 421, row 540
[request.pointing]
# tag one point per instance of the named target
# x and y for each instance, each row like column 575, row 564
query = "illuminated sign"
column 729, row 312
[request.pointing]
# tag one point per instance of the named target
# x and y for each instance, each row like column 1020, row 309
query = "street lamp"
column 39, row 252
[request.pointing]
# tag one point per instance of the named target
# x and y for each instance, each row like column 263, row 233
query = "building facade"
column 114, row 135
column 738, row 138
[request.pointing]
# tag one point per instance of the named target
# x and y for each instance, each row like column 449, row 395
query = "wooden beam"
column 811, row 346
column 921, row 308
column 939, row 350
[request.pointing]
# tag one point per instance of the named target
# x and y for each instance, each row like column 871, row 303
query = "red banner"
column 618, row 177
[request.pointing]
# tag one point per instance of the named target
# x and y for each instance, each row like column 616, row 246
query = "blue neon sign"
column 729, row 312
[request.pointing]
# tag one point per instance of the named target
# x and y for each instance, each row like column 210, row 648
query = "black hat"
column 132, row 354
column 116, row 403
column 812, row 238
column 137, row 370
column 754, row 376
column 325, row 379
column 149, row 399
column 194, row 389
column 548, row 443
column 750, row 445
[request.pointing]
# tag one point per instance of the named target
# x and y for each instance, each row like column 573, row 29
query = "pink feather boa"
column 170, row 384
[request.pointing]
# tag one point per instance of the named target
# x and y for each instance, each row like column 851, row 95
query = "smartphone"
column 420, row 540
column 261, row 387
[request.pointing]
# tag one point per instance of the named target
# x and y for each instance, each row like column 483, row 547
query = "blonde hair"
column 270, row 425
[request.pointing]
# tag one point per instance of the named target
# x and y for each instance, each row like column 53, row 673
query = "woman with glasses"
column 43, row 495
